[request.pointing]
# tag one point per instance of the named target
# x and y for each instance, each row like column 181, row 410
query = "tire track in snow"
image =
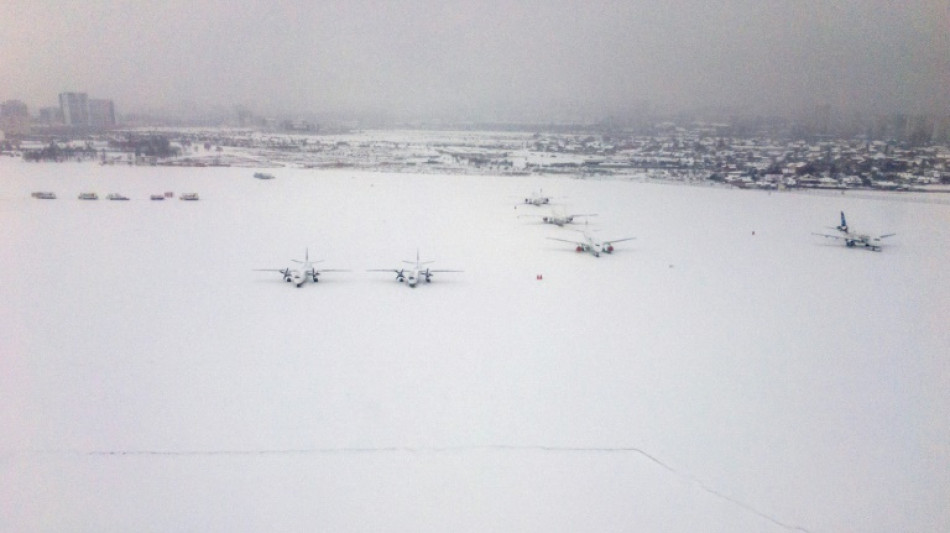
column 436, row 450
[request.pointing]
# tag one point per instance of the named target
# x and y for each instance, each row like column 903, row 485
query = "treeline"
column 54, row 152
column 151, row 146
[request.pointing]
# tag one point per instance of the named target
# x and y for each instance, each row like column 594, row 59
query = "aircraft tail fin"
column 844, row 223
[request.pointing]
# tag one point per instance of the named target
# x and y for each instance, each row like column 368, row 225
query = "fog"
column 482, row 60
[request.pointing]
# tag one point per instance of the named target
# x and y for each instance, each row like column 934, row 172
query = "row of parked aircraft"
column 416, row 271
column 588, row 243
column 419, row 270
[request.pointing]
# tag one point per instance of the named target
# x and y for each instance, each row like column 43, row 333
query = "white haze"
column 482, row 60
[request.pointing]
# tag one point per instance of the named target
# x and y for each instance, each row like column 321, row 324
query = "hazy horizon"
column 482, row 60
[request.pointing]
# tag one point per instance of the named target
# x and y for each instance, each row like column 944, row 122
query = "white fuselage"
column 301, row 276
column 558, row 221
column 595, row 248
column 414, row 276
column 297, row 277
column 853, row 238
column 415, row 272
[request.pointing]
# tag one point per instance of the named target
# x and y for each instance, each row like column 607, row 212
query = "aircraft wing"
column 430, row 270
column 396, row 270
column 839, row 237
column 281, row 270
column 583, row 215
column 611, row 241
column 886, row 235
column 579, row 243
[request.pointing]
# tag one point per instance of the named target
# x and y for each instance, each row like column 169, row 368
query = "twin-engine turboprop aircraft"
column 299, row 276
column 852, row 238
column 591, row 245
column 416, row 272
column 537, row 198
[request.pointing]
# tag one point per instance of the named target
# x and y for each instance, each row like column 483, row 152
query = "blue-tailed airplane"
column 851, row 238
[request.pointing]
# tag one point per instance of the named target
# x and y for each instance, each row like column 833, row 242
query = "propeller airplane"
column 306, row 272
column 417, row 271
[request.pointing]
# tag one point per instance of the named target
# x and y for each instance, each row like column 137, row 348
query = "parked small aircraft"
column 592, row 245
column 559, row 219
column 299, row 276
column 537, row 198
column 413, row 274
column 852, row 238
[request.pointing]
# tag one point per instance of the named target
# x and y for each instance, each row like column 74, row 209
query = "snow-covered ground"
column 726, row 371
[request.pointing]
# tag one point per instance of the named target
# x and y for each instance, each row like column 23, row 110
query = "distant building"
column 101, row 114
column 51, row 116
column 14, row 117
column 75, row 108
column 14, row 108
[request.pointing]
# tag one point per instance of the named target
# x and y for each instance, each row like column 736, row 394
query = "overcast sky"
column 482, row 60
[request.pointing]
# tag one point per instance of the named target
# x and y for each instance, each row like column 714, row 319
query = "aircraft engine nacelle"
column 546, row 219
column 608, row 248
column 400, row 278
column 287, row 278
column 579, row 248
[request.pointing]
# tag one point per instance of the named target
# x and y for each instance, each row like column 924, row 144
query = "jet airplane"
column 416, row 272
column 559, row 219
column 852, row 238
column 591, row 245
column 299, row 276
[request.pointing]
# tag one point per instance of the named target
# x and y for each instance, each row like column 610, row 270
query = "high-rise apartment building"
column 51, row 116
column 101, row 114
column 75, row 108
column 14, row 117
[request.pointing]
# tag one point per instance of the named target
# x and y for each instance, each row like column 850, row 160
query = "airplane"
column 537, row 199
column 559, row 220
column 852, row 239
column 592, row 245
column 414, row 273
column 300, row 276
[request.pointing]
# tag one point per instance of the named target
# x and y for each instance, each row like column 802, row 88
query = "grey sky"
column 482, row 59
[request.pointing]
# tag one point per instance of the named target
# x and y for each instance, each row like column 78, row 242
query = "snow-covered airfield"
column 702, row 378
